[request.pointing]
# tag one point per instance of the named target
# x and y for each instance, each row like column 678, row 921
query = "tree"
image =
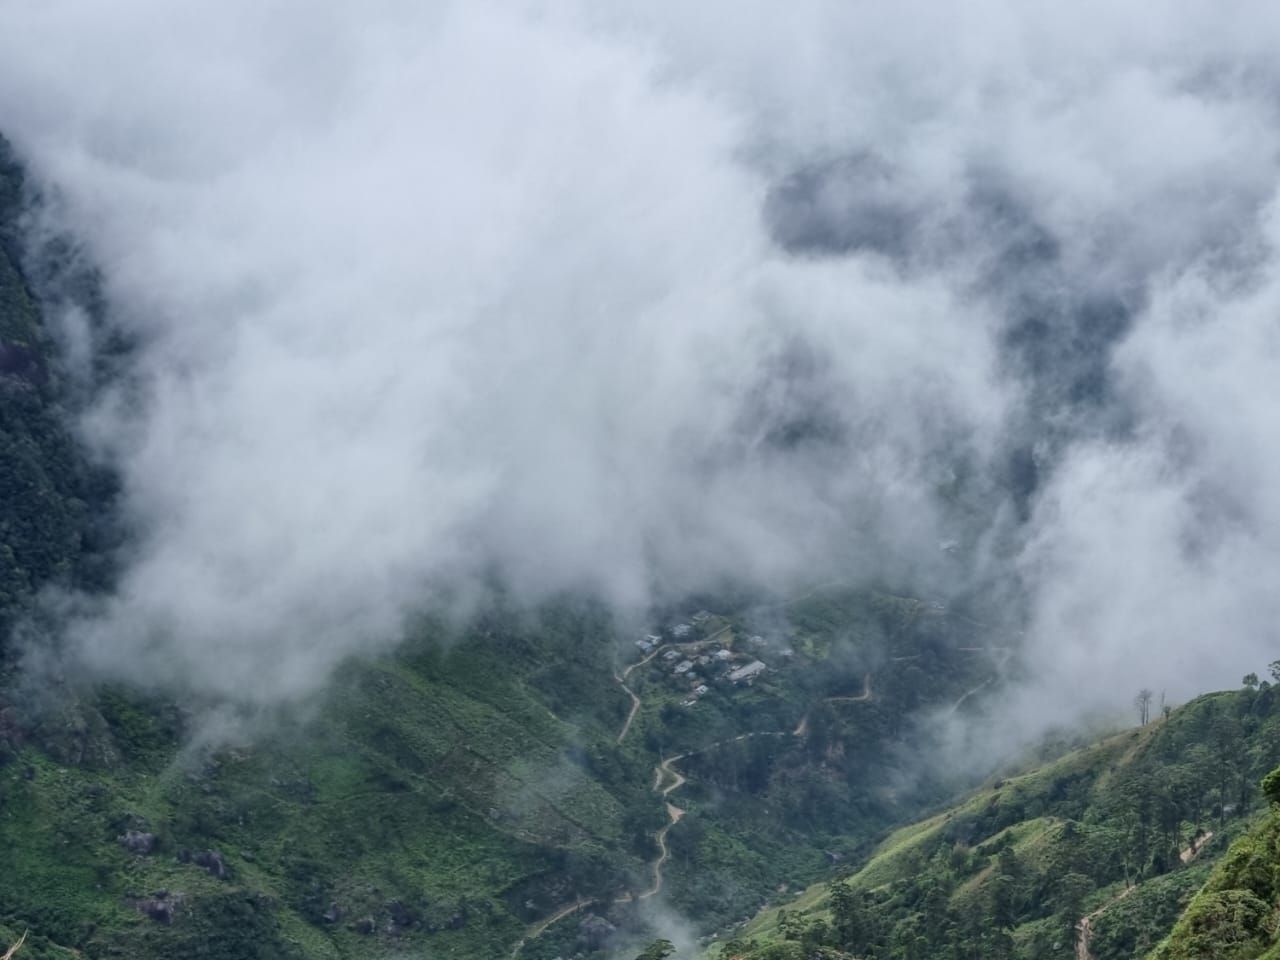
column 1250, row 681
column 1143, row 702
column 658, row 950
column 1274, row 669
column 854, row 921
column 1072, row 890
column 1271, row 785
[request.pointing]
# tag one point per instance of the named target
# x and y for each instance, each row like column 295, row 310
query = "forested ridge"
column 1096, row 855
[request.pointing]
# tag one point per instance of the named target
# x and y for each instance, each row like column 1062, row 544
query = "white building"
column 749, row 672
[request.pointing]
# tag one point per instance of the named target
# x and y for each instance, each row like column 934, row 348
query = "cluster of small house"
column 691, row 662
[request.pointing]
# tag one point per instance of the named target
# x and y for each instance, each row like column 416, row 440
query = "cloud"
column 632, row 299
column 422, row 293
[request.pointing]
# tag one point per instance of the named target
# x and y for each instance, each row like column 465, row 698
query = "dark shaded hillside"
column 53, row 502
column 42, row 508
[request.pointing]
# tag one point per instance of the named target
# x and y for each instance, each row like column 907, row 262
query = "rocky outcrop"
column 210, row 860
column 138, row 841
column 162, row 906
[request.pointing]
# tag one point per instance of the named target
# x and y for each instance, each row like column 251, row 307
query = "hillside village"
column 695, row 655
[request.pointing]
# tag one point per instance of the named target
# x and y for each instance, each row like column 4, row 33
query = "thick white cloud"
column 428, row 290
column 422, row 292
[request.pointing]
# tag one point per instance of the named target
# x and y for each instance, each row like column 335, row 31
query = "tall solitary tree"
column 1143, row 702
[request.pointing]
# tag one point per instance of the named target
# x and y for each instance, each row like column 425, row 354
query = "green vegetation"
column 1234, row 917
column 1105, row 832
column 51, row 521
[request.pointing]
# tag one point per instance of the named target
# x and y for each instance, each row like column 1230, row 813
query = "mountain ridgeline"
column 1118, row 851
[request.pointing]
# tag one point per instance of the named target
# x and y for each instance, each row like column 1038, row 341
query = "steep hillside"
column 1235, row 915
column 1093, row 855
column 46, row 485
column 459, row 794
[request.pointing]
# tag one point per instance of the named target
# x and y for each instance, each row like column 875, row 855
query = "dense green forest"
column 45, row 483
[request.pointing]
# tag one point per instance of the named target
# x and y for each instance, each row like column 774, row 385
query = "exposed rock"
column 364, row 925
column 137, row 841
column 333, row 914
column 75, row 734
column 211, row 860
column 401, row 916
column 160, row 906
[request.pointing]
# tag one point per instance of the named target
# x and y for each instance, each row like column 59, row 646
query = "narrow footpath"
column 666, row 780
column 1084, row 929
column 539, row 928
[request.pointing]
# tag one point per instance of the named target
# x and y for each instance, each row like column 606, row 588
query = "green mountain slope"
column 45, row 484
column 453, row 796
column 1236, row 916
column 1121, row 833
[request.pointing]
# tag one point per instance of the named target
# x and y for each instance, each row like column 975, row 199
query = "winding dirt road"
column 8, row 954
column 631, row 714
column 666, row 780
column 621, row 678
column 864, row 696
column 802, row 729
column 539, row 928
column 1005, row 653
column 1197, row 844
column 677, row 780
column 1084, row 929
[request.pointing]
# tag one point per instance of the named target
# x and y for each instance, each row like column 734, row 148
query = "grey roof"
column 752, row 669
